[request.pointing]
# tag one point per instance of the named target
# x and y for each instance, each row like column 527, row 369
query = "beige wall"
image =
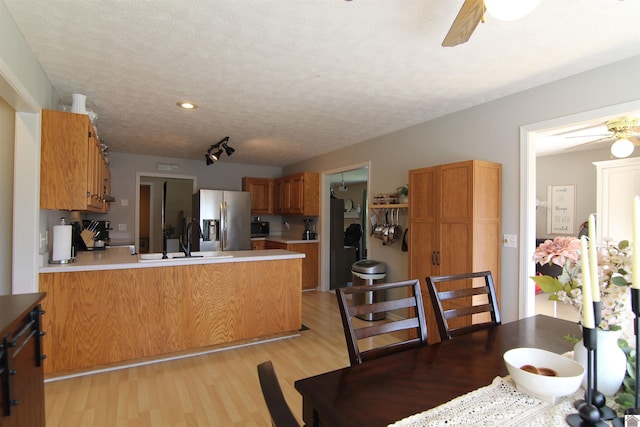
column 7, row 134
column 489, row 132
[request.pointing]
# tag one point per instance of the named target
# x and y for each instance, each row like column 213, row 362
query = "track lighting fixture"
column 227, row 149
column 212, row 156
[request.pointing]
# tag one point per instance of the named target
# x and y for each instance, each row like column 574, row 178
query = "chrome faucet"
column 187, row 248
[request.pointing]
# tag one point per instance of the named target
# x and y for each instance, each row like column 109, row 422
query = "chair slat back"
column 461, row 304
column 412, row 328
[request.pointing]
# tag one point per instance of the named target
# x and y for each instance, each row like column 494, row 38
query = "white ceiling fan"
column 472, row 12
column 623, row 131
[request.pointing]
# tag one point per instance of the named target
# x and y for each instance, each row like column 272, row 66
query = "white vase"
column 78, row 103
column 611, row 361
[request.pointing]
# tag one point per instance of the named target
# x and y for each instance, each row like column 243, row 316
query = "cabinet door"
column 270, row 244
column 618, row 182
column 309, row 263
column 26, row 385
column 311, row 201
column 277, row 195
column 261, row 190
column 423, row 242
column 94, row 174
column 423, row 256
column 106, row 183
column 296, row 194
column 455, row 218
column 258, row 245
column 63, row 161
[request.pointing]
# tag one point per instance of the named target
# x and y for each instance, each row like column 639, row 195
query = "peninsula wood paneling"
column 101, row 317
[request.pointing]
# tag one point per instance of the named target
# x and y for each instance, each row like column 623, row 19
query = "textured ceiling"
column 291, row 79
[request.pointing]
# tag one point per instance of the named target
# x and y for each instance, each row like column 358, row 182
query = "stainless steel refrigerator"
column 224, row 218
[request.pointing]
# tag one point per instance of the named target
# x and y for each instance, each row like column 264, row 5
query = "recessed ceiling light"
column 186, row 105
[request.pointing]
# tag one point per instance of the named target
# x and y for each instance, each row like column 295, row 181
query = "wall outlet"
column 510, row 241
column 124, row 202
column 122, row 227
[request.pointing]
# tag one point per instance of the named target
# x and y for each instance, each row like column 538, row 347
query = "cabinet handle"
column 438, row 258
column 433, row 257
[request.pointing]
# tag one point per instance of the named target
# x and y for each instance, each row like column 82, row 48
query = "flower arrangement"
column 614, row 277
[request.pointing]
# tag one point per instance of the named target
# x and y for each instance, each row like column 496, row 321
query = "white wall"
column 489, row 132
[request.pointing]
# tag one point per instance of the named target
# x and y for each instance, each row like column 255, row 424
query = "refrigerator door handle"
column 223, row 225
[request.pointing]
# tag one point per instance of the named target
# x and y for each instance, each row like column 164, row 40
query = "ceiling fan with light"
column 625, row 133
column 472, row 13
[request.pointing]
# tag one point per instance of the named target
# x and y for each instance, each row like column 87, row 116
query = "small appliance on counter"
column 91, row 235
column 309, row 232
column 259, row 228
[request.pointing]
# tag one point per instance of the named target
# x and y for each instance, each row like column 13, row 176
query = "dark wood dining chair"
column 410, row 323
column 456, row 304
column 281, row 415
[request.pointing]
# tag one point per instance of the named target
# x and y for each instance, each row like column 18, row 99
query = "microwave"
column 259, row 229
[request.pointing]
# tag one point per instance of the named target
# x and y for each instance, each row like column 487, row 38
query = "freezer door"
column 236, row 221
column 206, row 210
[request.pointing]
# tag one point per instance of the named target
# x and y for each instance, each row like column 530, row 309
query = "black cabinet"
column 21, row 358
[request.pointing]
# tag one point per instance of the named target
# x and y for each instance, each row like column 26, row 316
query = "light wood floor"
column 217, row 389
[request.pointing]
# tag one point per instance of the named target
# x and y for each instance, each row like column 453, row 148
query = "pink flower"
column 558, row 251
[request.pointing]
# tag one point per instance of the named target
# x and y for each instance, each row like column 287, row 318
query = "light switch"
column 122, row 227
column 510, row 241
column 124, row 202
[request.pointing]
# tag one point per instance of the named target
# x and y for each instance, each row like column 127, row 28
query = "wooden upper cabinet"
column 261, row 190
column 297, row 194
column 300, row 194
column 277, row 196
column 73, row 171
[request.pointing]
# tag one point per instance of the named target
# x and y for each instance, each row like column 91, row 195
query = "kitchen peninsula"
column 108, row 307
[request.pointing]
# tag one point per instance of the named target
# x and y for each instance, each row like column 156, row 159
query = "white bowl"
column 547, row 388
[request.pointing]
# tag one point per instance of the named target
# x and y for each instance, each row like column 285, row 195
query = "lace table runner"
column 498, row 404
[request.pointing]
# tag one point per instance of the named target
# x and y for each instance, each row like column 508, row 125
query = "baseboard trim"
column 168, row 358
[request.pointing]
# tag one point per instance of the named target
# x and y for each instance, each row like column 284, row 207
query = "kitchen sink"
column 175, row 256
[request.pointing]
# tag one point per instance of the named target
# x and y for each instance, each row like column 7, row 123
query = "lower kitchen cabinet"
column 257, row 245
column 21, row 370
column 101, row 317
column 309, row 263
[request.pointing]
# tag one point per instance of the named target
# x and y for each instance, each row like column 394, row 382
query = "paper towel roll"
column 61, row 243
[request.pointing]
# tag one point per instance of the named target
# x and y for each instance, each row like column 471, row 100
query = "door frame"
column 526, row 266
column 323, row 220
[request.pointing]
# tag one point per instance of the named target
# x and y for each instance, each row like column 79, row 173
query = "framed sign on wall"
column 562, row 209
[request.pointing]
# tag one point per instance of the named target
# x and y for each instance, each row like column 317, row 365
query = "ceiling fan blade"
column 469, row 16
column 600, row 135
column 575, row 147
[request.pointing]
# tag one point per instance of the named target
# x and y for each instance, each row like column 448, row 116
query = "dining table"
column 382, row 391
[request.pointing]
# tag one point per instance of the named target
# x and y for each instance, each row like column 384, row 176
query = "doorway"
column 527, row 295
column 169, row 204
column 145, row 217
column 344, row 199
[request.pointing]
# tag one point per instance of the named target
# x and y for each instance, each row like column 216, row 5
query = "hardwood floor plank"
column 215, row 389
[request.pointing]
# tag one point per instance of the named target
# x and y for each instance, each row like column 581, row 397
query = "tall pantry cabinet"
column 455, row 224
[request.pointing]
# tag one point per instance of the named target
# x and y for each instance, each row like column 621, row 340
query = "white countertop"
column 117, row 258
column 289, row 240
